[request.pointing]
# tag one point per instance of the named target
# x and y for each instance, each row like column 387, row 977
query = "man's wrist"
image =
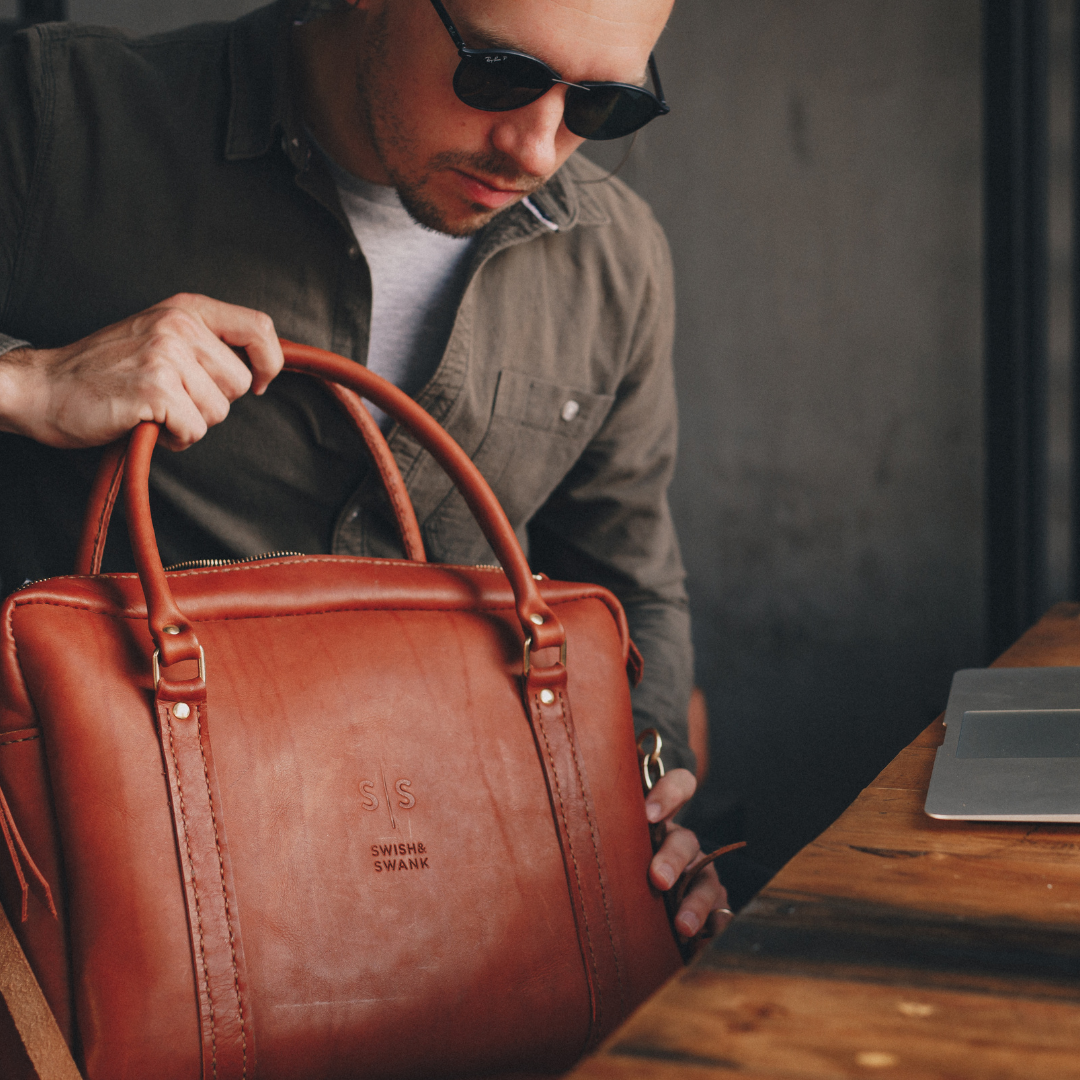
column 16, row 397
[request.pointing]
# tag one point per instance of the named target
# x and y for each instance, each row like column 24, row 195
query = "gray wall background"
column 819, row 180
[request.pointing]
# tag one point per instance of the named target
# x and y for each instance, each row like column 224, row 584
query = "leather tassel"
column 17, row 847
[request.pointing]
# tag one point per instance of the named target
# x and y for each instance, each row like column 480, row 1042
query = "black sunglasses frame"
column 657, row 106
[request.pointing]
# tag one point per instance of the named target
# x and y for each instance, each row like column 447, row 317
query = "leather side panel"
column 133, row 985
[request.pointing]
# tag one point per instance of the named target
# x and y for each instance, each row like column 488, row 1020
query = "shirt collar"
column 261, row 115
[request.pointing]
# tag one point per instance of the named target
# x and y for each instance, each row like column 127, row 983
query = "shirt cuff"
column 9, row 344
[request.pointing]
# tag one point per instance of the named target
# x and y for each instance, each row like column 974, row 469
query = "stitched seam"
column 595, row 840
column 9, row 634
column 401, row 513
column 195, row 891
column 464, row 605
column 225, row 897
column 106, row 513
column 392, row 482
column 573, row 859
column 136, row 617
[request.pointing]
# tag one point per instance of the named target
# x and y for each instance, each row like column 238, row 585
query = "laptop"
column 1012, row 747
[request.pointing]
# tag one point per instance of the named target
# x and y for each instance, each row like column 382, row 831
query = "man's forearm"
column 661, row 631
column 13, row 389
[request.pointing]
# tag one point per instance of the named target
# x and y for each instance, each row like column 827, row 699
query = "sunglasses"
column 499, row 80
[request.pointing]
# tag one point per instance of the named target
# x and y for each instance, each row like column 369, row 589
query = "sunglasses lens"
column 608, row 112
column 499, row 82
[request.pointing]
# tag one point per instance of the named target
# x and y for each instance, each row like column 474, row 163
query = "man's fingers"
column 243, row 328
column 679, row 850
column 669, row 794
column 704, row 897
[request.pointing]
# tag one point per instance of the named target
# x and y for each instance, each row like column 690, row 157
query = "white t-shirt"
column 417, row 280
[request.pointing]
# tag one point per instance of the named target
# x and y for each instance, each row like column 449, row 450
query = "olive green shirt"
column 132, row 170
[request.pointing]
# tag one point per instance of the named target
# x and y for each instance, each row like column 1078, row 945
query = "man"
column 231, row 170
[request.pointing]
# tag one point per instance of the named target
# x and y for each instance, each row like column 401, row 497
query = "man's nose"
column 534, row 136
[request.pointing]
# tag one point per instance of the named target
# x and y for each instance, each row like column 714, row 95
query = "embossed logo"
column 392, row 857
column 370, row 801
column 395, row 857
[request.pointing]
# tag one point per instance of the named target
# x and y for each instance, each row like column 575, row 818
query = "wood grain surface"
column 894, row 945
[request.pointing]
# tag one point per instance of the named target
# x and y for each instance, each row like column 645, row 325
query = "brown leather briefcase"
column 325, row 817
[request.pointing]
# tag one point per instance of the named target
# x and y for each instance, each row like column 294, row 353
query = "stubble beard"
column 386, row 131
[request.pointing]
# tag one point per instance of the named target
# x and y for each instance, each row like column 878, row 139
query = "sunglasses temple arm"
column 445, row 16
column 654, row 71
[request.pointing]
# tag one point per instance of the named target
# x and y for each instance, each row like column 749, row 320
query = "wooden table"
column 892, row 946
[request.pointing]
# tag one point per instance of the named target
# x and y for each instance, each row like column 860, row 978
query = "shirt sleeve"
column 609, row 521
column 16, row 167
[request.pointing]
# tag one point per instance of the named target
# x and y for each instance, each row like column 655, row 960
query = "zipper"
column 193, row 564
column 201, row 564
column 30, row 584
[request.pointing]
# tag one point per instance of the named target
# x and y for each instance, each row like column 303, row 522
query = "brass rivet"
column 181, row 710
column 170, row 629
column 547, row 697
column 536, row 620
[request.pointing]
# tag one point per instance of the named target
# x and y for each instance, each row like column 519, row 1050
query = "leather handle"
column 110, row 473
column 173, row 634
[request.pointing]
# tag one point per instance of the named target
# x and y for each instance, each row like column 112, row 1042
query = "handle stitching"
column 577, row 872
column 225, row 897
column 194, row 889
column 107, row 507
column 595, row 841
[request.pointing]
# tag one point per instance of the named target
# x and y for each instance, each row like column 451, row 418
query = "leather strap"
column 225, row 1019
column 548, row 706
column 37, row 1027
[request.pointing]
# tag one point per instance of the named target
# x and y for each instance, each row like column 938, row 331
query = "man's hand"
column 706, row 902
column 171, row 364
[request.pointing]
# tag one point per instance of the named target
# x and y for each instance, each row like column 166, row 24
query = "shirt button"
column 570, row 410
column 354, row 252
column 353, row 514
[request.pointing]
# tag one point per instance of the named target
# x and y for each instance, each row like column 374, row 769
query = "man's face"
column 456, row 167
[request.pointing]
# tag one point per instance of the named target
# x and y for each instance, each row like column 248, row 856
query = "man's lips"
column 485, row 194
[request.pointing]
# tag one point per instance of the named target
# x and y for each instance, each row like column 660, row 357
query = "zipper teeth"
column 30, row 584
column 193, row 564
column 196, row 564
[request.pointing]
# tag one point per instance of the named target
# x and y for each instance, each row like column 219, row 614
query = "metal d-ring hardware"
column 528, row 651
column 157, row 667
column 652, row 758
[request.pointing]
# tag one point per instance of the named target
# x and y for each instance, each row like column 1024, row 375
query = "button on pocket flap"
column 561, row 410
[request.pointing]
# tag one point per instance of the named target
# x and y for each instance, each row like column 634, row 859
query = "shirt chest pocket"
column 537, row 432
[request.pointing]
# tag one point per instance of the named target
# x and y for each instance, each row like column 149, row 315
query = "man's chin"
column 462, row 219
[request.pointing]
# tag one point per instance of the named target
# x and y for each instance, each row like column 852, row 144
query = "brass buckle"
column 528, row 651
column 648, row 760
column 157, row 667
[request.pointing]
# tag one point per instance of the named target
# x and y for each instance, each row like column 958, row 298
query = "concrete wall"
column 819, row 180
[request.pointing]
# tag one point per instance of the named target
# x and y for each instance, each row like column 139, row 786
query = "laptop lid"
column 1012, row 747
